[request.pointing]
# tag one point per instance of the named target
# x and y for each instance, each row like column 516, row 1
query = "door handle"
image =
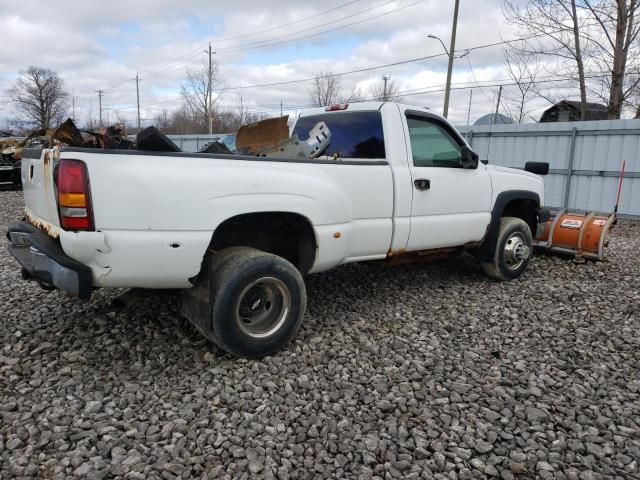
column 422, row 184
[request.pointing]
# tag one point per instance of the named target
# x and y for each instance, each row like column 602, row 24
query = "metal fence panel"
column 584, row 159
column 194, row 143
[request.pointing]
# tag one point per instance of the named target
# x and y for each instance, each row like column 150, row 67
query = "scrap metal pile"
column 266, row 138
column 270, row 138
column 67, row 134
column 10, row 155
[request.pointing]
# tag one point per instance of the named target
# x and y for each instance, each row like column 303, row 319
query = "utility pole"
column 384, row 91
column 495, row 116
column 100, row 94
column 209, row 94
column 469, row 112
column 138, row 97
column 281, row 107
column 452, row 49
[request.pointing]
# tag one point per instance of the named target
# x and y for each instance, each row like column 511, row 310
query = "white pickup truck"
column 396, row 183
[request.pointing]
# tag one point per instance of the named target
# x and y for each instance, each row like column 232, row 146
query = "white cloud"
column 104, row 47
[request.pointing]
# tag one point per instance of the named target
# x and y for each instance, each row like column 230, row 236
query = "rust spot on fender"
column 337, row 235
column 51, row 230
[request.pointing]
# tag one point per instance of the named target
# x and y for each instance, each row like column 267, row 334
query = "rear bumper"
column 43, row 260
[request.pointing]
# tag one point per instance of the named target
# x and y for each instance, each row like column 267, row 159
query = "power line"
column 277, row 27
column 319, row 14
column 265, row 43
column 466, row 51
column 195, row 53
column 473, row 73
column 251, row 45
column 308, row 79
column 438, row 89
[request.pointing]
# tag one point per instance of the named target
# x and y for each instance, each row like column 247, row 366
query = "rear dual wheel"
column 258, row 302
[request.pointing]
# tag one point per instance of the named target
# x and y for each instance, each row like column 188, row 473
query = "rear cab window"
column 356, row 135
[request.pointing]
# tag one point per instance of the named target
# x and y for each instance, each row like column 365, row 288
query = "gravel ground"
column 424, row 371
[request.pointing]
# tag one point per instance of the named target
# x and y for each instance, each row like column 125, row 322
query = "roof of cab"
column 357, row 107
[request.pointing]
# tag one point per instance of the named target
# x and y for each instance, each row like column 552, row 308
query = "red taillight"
column 74, row 199
column 336, row 106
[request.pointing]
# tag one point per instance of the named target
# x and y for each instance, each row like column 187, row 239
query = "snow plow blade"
column 583, row 235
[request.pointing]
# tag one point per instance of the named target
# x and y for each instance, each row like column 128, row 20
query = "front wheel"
column 258, row 303
column 513, row 250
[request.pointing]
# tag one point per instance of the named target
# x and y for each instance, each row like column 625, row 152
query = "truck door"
column 451, row 205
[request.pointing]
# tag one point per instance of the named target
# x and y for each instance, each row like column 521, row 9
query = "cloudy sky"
column 102, row 45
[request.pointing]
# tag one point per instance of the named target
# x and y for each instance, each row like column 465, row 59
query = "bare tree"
column 615, row 40
column 162, row 120
column 90, row 123
column 385, row 90
column 199, row 90
column 523, row 70
column 552, row 28
column 328, row 89
column 243, row 112
column 40, row 96
column 600, row 35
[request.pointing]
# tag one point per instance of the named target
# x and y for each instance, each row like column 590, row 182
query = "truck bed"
column 155, row 213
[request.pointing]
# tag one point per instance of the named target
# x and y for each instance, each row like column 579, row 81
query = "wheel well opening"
column 524, row 209
column 288, row 235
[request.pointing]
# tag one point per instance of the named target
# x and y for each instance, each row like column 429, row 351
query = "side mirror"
column 539, row 168
column 469, row 158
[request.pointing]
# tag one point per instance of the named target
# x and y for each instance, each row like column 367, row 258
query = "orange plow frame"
column 580, row 234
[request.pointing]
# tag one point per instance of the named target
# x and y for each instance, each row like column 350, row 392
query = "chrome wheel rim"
column 263, row 307
column 516, row 251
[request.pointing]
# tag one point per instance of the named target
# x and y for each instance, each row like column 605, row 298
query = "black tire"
column 514, row 247
column 258, row 302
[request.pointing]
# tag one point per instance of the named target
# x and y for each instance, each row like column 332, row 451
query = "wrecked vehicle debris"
column 115, row 138
column 270, row 138
column 10, row 156
column 293, row 147
column 10, row 167
column 152, row 139
column 217, row 148
column 265, row 138
column 253, row 138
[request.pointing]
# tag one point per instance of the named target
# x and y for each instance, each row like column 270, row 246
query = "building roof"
column 569, row 110
column 590, row 105
column 498, row 119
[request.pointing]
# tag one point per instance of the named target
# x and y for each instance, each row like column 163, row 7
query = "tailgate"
column 39, row 188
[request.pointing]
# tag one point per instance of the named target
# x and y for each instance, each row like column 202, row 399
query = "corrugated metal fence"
column 194, row 143
column 584, row 159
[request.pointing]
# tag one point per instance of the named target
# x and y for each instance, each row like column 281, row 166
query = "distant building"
column 569, row 111
column 493, row 118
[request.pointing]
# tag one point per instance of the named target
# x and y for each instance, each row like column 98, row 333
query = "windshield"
column 353, row 134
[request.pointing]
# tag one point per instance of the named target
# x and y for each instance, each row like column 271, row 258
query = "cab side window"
column 432, row 145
